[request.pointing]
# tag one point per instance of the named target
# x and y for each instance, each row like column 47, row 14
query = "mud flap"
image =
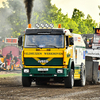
column 91, row 70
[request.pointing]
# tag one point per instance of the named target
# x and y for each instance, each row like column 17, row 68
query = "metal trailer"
column 92, row 57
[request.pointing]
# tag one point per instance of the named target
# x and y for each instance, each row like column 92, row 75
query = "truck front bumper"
column 45, row 72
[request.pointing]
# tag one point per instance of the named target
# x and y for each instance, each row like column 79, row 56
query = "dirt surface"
column 11, row 89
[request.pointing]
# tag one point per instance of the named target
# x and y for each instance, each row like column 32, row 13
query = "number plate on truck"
column 42, row 69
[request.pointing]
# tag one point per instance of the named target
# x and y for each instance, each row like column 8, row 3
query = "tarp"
column 7, row 49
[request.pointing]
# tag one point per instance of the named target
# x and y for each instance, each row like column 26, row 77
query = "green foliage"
column 77, row 15
column 13, row 20
column 85, row 26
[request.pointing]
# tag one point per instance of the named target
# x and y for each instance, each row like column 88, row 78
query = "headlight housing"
column 26, row 70
column 59, row 70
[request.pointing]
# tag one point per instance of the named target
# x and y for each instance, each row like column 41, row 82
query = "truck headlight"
column 59, row 70
column 26, row 70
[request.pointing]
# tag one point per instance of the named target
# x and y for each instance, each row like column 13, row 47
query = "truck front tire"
column 69, row 81
column 26, row 81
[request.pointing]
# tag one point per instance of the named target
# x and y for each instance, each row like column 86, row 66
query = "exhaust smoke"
column 28, row 6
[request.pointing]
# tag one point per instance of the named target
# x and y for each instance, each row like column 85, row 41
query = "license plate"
column 42, row 69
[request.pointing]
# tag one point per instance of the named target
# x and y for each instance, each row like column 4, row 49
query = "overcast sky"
column 86, row 6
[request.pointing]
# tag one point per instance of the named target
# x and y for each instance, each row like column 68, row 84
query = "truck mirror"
column 20, row 40
column 71, row 41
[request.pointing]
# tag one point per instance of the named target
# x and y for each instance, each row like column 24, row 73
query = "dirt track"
column 11, row 89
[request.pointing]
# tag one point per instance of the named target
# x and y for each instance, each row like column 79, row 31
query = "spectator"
column 15, row 58
column 90, row 43
column 9, row 58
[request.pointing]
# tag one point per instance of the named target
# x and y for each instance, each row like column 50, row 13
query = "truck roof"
column 46, row 31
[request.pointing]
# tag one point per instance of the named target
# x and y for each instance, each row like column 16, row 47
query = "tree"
column 77, row 15
column 13, row 20
column 90, row 23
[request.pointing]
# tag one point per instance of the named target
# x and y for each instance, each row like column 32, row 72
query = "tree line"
column 13, row 19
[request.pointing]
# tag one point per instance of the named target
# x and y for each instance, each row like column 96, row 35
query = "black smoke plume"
column 28, row 6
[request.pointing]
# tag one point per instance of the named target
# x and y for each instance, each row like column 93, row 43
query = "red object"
column 99, row 67
column 9, row 60
column 99, row 41
column 11, row 40
column 14, row 49
column 18, row 62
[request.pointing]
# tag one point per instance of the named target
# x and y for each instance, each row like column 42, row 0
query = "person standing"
column 9, row 58
column 90, row 43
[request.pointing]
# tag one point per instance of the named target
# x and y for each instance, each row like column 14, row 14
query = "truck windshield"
column 44, row 41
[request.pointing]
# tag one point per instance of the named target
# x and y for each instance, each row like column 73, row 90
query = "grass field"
column 10, row 75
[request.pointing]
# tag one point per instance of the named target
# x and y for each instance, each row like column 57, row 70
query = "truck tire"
column 26, row 81
column 82, row 80
column 69, row 81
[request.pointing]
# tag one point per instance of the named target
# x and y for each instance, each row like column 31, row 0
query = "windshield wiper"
column 33, row 45
column 52, row 46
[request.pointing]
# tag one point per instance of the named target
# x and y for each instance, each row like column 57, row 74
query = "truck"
column 52, row 55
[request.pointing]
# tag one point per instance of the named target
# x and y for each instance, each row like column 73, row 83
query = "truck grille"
column 53, row 62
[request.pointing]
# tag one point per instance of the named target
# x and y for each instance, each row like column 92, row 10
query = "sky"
column 1, row 2
column 86, row 6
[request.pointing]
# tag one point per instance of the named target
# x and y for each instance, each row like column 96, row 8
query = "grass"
column 10, row 75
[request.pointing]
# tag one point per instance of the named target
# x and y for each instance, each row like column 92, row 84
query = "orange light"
column 59, row 25
column 2, row 40
column 29, row 25
column 64, row 66
column 98, row 31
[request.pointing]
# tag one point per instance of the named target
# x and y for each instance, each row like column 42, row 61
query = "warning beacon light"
column 59, row 25
column 29, row 25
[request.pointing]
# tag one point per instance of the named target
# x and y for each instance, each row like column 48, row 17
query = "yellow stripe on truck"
column 50, row 54
column 77, row 76
column 43, row 66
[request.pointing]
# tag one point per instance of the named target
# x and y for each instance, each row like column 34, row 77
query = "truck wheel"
column 26, row 81
column 69, row 81
column 82, row 80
